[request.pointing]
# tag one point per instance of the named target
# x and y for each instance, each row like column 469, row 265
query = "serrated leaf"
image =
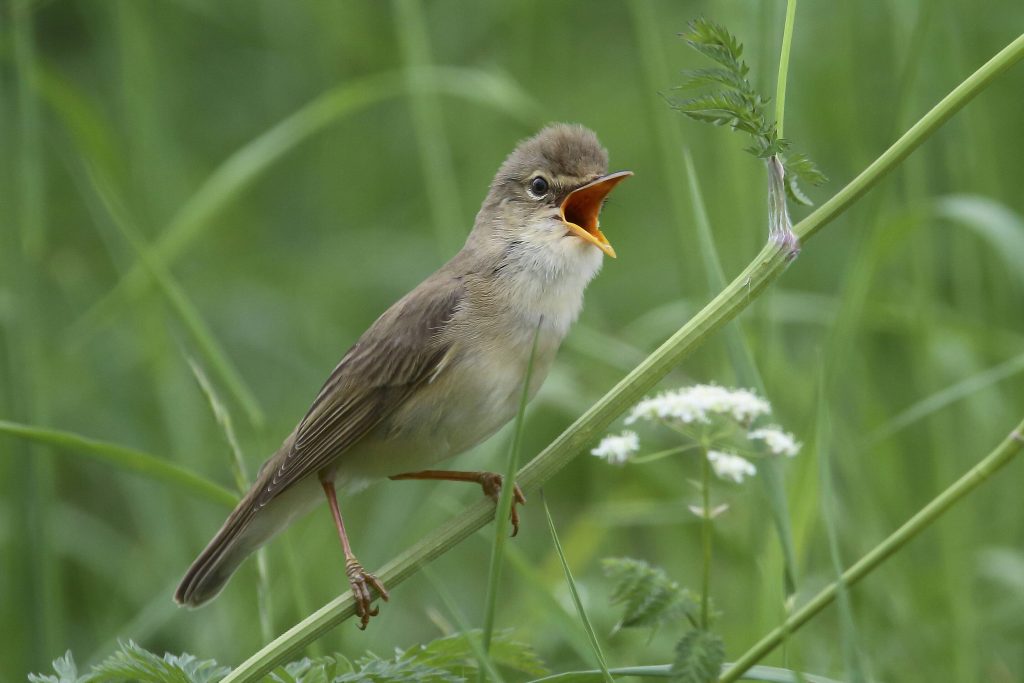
column 456, row 653
column 699, row 658
column 802, row 167
column 311, row 670
column 715, row 41
column 702, row 78
column 725, row 108
column 66, row 670
column 400, row 671
column 135, row 663
column 650, row 597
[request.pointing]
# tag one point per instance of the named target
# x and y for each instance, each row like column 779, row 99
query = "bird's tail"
column 211, row 570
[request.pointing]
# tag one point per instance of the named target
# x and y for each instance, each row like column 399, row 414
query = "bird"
column 443, row 368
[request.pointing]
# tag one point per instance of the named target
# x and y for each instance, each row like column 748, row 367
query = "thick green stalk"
column 977, row 475
column 768, row 265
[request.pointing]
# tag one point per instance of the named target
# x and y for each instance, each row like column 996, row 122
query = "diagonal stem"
column 977, row 475
column 767, row 266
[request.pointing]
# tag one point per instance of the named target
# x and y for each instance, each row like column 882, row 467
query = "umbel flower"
column 617, row 449
column 731, row 466
column 700, row 403
column 698, row 412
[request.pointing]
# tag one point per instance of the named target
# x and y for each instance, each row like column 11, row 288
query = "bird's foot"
column 361, row 581
column 491, row 483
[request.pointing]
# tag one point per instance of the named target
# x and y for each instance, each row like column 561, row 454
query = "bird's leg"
column 489, row 481
column 359, row 579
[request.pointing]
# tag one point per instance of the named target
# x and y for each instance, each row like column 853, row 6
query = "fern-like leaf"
column 398, row 671
column 315, row 670
column 699, row 658
column 704, row 78
column 727, row 98
column 66, row 670
column 650, row 597
column 715, row 42
column 136, row 664
column 455, row 652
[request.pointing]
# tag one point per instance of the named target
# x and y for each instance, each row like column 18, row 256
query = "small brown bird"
column 442, row 369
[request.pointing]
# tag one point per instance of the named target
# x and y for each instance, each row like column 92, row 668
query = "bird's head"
column 547, row 196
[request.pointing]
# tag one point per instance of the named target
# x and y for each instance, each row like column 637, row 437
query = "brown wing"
column 401, row 350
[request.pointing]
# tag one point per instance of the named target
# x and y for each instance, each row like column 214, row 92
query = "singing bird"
column 443, row 368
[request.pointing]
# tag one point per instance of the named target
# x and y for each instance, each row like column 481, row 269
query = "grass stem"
column 974, row 477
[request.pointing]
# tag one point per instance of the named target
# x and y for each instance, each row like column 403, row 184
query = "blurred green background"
column 292, row 168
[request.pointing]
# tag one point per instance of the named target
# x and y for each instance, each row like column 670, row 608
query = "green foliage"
column 315, row 670
column 650, row 597
column 727, row 98
column 66, row 670
column 444, row 660
column 699, row 658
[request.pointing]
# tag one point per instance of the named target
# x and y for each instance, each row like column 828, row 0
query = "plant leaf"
column 699, row 658
column 455, row 653
column 651, row 598
column 66, row 669
column 136, row 664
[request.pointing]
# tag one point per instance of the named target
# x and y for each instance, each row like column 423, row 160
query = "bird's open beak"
column 581, row 209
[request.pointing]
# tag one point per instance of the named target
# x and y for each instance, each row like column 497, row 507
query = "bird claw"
column 491, row 483
column 360, row 582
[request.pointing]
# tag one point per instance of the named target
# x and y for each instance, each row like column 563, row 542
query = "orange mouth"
column 581, row 209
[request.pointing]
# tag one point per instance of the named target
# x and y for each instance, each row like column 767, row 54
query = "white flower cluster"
column 731, row 466
column 617, row 449
column 697, row 403
column 778, row 441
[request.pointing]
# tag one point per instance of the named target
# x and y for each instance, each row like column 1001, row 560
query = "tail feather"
column 218, row 561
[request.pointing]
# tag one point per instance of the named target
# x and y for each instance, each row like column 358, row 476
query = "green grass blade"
column 747, row 374
column 127, row 459
column 998, row 458
column 36, row 569
column 504, row 507
column 179, row 301
column 823, row 450
column 237, row 464
column 771, row 674
column 780, row 83
column 440, row 181
column 479, row 647
column 595, row 644
column 947, row 397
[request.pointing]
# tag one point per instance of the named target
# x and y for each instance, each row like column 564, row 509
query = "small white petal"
column 731, row 466
column 778, row 441
column 617, row 449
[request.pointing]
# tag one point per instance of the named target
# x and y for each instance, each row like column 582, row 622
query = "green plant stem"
column 595, row 644
column 771, row 674
column 768, row 265
column 705, row 538
column 780, row 83
column 974, row 477
column 428, row 125
column 505, row 503
column 909, row 141
column 128, row 459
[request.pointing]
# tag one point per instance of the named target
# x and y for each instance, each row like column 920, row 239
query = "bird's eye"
column 538, row 187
